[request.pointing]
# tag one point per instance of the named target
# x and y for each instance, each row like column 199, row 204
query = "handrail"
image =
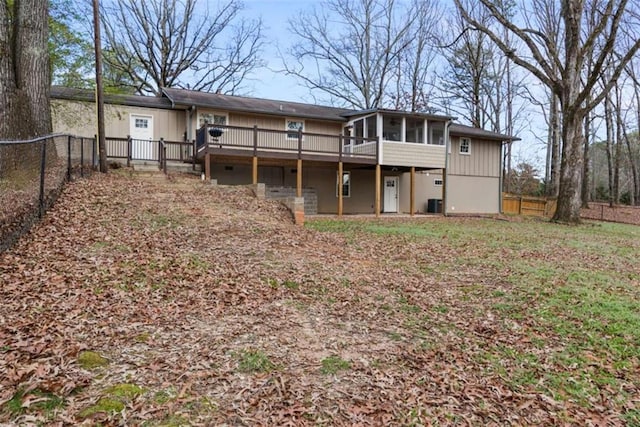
column 307, row 142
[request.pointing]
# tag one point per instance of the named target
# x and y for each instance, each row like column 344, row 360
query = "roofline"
column 88, row 95
column 481, row 133
column 339, row 111
column 350, row 114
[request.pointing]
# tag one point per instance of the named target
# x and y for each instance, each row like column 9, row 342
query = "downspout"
column 190, row 122
column 447, row 155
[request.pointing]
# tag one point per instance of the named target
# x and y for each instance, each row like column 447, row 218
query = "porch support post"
column 299, row 179
column 339, row 187
column 255, row 155
column 207, row 166
column 412, row 203
column 378, row 173
column 255, row 170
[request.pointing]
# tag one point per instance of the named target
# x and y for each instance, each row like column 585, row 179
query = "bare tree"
column 559, row 66
column 181, row 43
column 414, row 77
column 25, row 75
column 469, row 69
column 635, row 84
column 348, row 49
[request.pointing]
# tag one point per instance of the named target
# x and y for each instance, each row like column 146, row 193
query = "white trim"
column 339, row 184
column 287, row 120
column 213, row 114
column 464, row 153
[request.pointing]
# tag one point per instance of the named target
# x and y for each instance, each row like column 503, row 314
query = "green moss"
column 91, row 360
column 125, row 391
column 47, row 402
column 142, row 338
column 105, row 404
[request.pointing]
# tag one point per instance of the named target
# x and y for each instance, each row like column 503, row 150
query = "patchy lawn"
column 141, row 301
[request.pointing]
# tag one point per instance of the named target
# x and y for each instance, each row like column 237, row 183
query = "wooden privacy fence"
column 526, row 205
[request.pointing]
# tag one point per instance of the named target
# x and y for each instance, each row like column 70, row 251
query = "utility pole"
column 99, row 90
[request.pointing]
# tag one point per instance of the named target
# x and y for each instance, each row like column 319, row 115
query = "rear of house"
column 341, row 161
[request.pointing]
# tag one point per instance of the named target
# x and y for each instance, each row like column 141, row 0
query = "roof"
column 458, row 129
column 60, row 92
column 183, row 99
column 353, row 113
column 187, row 98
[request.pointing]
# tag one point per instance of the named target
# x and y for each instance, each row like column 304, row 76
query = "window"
column 414, row 130
column 392, row 128
column 212, row 118
column 372, row 127
column 437, row 182
column 142, row 123
column 292, row 128
column 436, row 130
column 343, row 184
column 465, row 146
column 358, row 126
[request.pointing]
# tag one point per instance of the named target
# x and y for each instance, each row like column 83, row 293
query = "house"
column 340, row 160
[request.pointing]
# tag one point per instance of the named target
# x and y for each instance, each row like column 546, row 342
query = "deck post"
column 340, row 172
column 128, row 151
column 299, row 179
column 378, row 190
column 412, row 203
column 254, row 172
column 299, row 168
column 207, row 166
column 339, row 183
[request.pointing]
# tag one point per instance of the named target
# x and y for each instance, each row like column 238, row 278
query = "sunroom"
column 407, row 139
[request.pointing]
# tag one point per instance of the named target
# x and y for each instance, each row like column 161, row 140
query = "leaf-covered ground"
column 139, row 300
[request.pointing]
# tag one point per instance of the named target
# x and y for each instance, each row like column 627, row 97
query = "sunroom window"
column 392, row 128
column 437, row 133
column 414, row 132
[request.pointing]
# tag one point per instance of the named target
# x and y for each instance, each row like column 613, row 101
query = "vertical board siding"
column 263, row 122
column 484, row 159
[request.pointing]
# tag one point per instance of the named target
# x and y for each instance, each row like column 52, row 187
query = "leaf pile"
column 141, row 299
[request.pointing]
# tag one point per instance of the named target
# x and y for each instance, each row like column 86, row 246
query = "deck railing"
column 159, row 151
column 272, row 140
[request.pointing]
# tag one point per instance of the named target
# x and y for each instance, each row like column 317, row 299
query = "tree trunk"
column 608, row 112
column 585, row 169
column 618, row 155
column 24, row 70
column 554, row 120
column 569, row 201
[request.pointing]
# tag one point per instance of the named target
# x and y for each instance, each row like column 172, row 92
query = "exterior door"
column 141, row 131
column 391, row 194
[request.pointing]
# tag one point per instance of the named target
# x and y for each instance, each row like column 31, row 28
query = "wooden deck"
column 278, row 144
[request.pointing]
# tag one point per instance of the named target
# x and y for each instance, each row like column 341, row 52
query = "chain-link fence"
column 32, row 174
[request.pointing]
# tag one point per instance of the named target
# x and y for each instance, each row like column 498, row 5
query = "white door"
column 141, row 131
column 391, row 194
